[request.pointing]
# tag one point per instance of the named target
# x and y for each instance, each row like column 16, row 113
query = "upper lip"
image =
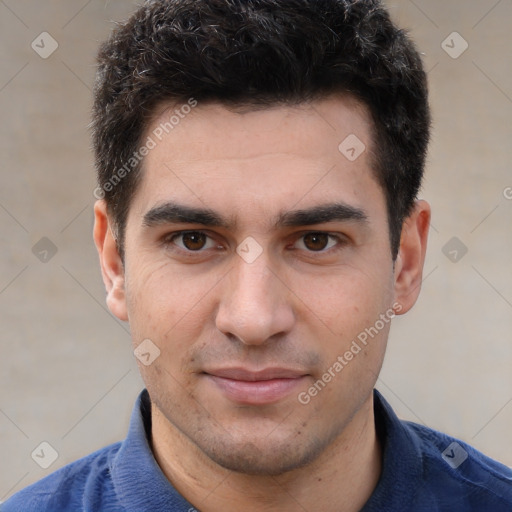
column 256, row 375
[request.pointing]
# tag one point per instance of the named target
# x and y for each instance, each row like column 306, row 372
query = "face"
column 256, row 253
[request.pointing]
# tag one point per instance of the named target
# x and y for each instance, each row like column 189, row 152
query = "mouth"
column 261, row 387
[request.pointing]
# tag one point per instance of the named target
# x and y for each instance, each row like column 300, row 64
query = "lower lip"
column 259, row 392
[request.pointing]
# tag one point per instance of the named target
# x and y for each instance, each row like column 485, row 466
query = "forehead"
column 249, row 160
column 278, row 127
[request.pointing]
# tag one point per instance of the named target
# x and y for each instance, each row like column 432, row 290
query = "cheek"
column 165, row 306
column 346, row 303
column 350, row 306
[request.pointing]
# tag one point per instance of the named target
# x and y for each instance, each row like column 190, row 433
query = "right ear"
column 112, row 268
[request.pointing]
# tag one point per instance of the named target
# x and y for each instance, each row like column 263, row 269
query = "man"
column 258, row 227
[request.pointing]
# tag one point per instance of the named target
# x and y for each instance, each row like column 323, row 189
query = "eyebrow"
column 330, row 212
column 174, row 213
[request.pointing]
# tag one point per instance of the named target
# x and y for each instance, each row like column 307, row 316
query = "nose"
column 255, row 305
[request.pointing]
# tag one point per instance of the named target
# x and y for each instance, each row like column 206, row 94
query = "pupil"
column 194, row 241
column 316, row 241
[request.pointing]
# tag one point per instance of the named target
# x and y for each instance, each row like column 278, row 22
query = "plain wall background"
column 67, row 373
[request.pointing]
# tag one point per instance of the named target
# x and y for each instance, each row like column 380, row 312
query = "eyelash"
column 168, row 240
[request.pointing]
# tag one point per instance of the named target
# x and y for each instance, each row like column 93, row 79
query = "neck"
column 341, row 479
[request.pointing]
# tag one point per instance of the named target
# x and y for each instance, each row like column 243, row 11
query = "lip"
column 260, row 387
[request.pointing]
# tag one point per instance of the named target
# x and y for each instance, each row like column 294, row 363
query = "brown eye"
column 194, row 241
column 316, row 241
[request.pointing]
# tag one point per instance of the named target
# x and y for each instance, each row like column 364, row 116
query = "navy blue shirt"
column 423, row 471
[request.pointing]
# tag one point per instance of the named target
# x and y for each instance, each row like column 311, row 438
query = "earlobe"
column 112, row 268
column 411, row 256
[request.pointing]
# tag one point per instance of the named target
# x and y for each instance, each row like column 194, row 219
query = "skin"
column 297, row 306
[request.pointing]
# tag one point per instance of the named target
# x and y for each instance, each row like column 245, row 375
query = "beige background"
column 67, row 373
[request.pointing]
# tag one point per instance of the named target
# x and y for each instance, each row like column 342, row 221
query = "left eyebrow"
column 332, row 212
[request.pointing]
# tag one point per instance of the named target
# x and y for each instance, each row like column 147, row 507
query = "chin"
column 264, row 458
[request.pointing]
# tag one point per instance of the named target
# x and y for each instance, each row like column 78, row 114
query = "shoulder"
column 428, row 471
column 459, row 475
column 83, row 484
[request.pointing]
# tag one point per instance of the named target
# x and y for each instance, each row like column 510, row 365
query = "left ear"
column 411, row 256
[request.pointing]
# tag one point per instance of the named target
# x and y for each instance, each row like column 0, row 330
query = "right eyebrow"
column 173, row 213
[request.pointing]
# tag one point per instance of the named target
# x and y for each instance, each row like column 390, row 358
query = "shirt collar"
column 138, row 480
column 402, row 461
column 141, row 485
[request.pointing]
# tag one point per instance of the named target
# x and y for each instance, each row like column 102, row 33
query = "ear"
column 411, row 257
column 112, row 268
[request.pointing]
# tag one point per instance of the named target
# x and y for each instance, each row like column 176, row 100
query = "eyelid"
column 169, row 239
column 340, row 239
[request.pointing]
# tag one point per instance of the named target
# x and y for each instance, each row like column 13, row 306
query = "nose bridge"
column 252, row 282
column 254, row 305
